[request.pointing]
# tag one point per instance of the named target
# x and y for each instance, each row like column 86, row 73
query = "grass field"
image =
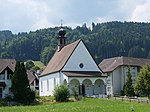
column 85, row 105
column 39, row 64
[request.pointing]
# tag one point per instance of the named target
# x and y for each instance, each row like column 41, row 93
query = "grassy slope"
column 87, row 105
column 39, row 64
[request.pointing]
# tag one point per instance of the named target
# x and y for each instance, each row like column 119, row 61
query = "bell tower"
column 61, row 38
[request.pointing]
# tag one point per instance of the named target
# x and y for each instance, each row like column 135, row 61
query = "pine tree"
column 143, row 81
column 128, row 88
column 15, row 81
column 20, row 84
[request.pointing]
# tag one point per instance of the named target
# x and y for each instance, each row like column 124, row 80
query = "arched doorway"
column 74, row 86
column 87, row 87
column 83, row 90
column 99, row 87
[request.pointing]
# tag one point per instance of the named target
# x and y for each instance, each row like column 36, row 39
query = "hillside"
column 104, row 40
column 39, row 64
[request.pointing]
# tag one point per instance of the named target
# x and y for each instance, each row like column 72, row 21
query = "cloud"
column 26, row 15
column 141, row 12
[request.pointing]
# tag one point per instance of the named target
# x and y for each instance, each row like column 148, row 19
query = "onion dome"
column 61, row 32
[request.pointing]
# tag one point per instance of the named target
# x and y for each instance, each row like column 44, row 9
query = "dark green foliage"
column 75, row 94
column 35, row 68
column 134, row 52
column 104, row 40
column 46, row 54
column 122, row 91
column 32, row 96
column 143, row 82
column 61, row 93
column 20, row 85
column 128, row 87
column 29, row 64
column 2, row 103
column 6, row 35
column 8, row 99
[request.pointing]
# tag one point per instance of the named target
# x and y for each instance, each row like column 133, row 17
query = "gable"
column 9, row 71
column 10, row 63
column 81, row 60
column 59, row 59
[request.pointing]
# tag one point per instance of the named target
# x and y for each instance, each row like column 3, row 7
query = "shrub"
column 8, row 99
column 32, row 95
column 61, row 93
column 2, row 103
column 76, row 96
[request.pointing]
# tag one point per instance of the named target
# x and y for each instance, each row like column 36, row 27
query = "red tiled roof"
column 60, row 58
column 110, row 64
column 11, row 63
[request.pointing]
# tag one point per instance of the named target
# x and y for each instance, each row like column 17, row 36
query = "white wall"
column 119, row 76
column 47, row 83
column 81, row 55
column 116, row 77
column 6, row 90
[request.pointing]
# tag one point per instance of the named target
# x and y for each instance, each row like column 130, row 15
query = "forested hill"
column 104, row 40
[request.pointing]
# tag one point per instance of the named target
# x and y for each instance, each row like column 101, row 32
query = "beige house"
column 7, row 67
column 116, row 69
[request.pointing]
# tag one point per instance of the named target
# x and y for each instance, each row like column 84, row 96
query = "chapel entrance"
column 83, row 90
column 88, row 88
column 74, row 86
column 99, row 87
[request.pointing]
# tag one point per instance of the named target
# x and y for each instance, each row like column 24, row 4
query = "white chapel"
column 73, row 66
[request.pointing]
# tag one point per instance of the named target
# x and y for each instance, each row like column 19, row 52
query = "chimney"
column 61, row 39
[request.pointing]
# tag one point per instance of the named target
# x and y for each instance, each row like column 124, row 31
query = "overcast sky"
column 27, row 15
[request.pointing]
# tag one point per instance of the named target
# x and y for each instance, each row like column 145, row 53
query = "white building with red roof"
column 116, row 69
column 74, row 66
column 7, row 68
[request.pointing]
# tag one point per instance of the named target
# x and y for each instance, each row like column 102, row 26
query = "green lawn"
column 86, row 105
column 39, row 64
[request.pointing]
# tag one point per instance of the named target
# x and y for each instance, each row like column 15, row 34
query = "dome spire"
column 61, row 37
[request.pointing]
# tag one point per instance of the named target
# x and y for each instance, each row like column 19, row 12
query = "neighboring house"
column 116, row 69
column 7, row 67
column 33, row 80
column 74, row 66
